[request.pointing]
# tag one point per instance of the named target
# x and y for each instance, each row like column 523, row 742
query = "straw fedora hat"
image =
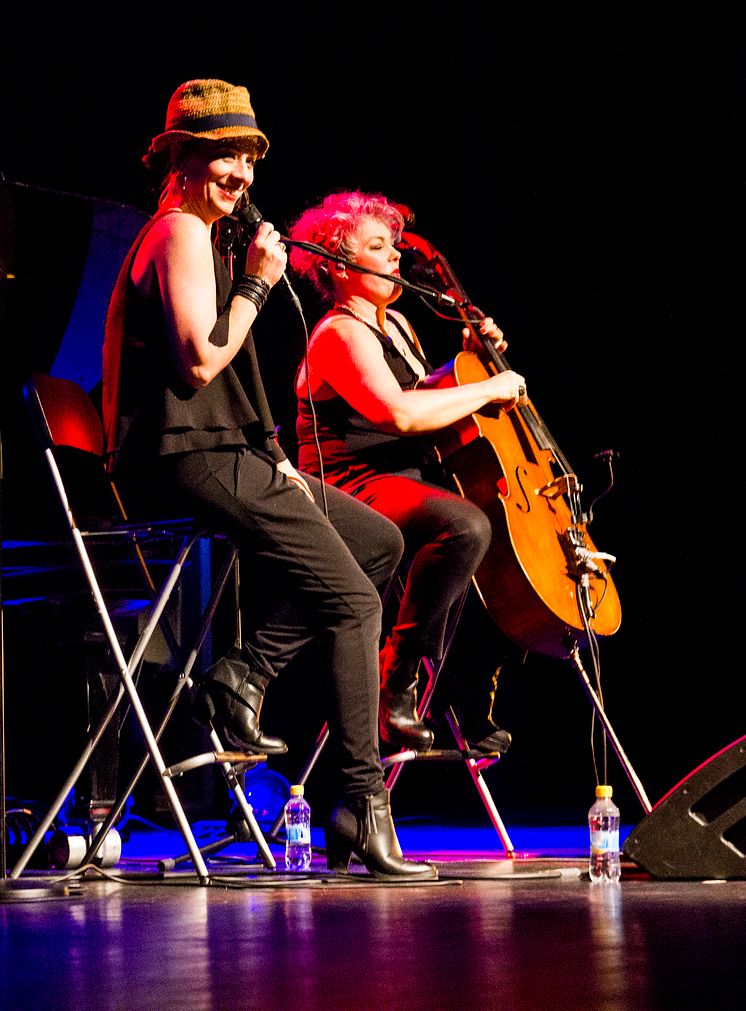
column 208, row 110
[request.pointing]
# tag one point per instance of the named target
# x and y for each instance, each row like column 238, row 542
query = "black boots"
column 490, row 740
column 401, row 727
column 230, row 696
column 364, row 826
column 482, row 734
column 398, row 722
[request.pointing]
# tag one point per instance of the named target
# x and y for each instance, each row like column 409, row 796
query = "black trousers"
column 304, row 576
column 445, row 537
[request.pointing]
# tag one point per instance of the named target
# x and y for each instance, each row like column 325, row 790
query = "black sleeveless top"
column 159, row 414
column 352, row 449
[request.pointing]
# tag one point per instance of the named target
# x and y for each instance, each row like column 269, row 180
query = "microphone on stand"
column 313, row 247
column 250, row 217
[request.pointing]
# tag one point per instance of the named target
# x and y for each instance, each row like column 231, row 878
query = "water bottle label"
column 299, row 834
column 605, row 842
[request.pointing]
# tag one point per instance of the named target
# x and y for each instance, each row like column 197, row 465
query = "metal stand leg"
column 609, row 730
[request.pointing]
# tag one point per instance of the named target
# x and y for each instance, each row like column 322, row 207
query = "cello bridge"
column 565, row 485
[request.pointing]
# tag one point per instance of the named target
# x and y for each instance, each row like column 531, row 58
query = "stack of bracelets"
column 254, row 288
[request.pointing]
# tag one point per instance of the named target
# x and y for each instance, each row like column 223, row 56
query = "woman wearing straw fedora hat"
column 188, row 426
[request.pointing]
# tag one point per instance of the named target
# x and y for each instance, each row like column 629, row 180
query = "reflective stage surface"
column 530, row 932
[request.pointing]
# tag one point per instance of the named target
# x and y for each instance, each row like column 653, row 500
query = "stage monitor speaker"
column 698, row 830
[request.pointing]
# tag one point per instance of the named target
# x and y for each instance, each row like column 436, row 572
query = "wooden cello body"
column 535, row 580
column 542, row 580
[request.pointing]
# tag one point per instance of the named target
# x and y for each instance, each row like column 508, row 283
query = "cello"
column 542, row 580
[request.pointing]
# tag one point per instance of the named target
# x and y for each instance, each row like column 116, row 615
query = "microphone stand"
column 3, row 808
column 248, row 216
column 311, row 247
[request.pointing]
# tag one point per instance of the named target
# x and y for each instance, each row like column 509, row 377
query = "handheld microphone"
column 250, row 217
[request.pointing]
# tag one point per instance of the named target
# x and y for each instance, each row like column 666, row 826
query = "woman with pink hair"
column 364, row 421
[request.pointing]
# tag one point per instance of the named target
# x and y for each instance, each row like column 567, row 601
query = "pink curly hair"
column 333, row 224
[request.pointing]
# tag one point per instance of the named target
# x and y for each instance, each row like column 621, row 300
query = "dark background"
column 583, row 174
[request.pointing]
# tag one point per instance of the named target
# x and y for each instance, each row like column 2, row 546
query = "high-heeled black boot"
column 398, row 722
column 492, row 740
column 482, row 734
column 364, row 826
column 230, row 696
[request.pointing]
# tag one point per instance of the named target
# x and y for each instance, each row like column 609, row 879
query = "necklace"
column 362, row 319
column 396, row 341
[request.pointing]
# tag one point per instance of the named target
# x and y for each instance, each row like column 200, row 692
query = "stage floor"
column 493, row 932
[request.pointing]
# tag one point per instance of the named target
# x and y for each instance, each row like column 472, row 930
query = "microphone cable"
column 250, row 217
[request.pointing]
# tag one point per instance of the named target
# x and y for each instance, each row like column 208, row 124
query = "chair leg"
column 207, row 619
column 319, row 746
column 125, row 670
column 70, row 782
column 127, row 685
column 474, row 767
column 228, row 771
column 246, row 809
column 433, row 669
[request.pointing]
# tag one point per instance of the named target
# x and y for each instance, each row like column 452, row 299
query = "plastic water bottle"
column 603, row 822
column 297, row 831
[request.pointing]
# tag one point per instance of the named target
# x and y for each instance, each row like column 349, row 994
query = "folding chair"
column 64, row 417
column 393, row 764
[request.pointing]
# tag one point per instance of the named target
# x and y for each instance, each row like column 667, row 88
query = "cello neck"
column 472, row 316
column 440, row 271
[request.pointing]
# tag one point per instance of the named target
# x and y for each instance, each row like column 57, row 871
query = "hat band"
column 203, row 123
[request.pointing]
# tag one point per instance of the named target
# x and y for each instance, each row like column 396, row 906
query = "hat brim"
column 170, row 137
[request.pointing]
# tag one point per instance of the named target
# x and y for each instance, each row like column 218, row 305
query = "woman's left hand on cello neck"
column 490, row 329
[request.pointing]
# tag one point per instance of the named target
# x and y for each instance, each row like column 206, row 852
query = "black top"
column 159, row 414
column 352, row 448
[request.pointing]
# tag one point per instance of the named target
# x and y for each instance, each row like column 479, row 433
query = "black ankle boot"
column 482, row 734
column 398, row 722
column 364, row 826
column 493, row 741
column 230, row 696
